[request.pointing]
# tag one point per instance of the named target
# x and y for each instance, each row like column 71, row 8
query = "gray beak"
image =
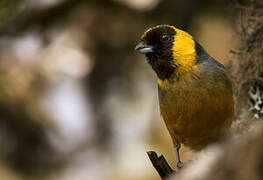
column 143, row 48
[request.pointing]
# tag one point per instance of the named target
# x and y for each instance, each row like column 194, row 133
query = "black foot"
column 180, row 165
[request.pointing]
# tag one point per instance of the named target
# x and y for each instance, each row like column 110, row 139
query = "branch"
column 161, row 165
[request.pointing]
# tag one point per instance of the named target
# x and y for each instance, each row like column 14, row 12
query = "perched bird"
column 195, row 93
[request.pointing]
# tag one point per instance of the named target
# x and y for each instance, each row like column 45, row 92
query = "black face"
column 161, row 39
column 160, row 58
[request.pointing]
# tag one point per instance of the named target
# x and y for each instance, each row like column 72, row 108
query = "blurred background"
column 76, row 101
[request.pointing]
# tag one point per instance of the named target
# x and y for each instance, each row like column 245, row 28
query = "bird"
column 194, row 90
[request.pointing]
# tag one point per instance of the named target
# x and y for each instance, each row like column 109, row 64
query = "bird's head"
column 169, row 50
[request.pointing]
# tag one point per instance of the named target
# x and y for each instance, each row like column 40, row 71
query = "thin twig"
column 160, row 164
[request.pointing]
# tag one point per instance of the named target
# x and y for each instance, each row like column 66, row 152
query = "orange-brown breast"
column 197, row 108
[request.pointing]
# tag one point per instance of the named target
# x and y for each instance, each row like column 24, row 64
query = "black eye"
column 164, row 38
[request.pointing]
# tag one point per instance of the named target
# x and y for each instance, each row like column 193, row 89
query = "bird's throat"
column 164, row 72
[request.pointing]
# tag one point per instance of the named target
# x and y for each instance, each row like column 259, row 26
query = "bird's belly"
column 198, row 117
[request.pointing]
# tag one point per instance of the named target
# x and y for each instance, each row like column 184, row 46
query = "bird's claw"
column 180, row 165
